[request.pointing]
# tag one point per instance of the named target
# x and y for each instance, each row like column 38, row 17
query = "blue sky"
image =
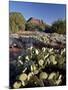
column 47, row 12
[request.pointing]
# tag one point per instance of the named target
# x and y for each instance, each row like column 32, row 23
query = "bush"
column 16, row 22
column 59, row 26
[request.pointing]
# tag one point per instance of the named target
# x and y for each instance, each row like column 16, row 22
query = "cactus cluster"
column 36, row 68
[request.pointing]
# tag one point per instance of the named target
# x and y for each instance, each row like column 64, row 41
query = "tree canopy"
column 59, row 26
column 16, row 22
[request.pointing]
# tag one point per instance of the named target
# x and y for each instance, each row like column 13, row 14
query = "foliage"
column 16, row 22
column 59, row 26
column 48, row 29
column 32, row 26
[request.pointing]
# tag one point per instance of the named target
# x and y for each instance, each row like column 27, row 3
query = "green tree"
column 59, row 26
column 16, row 22
column 32, row 26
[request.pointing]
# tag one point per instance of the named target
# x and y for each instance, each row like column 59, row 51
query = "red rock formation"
column 35, row 21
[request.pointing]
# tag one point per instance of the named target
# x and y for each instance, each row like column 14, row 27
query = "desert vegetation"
column 37, row 52
column 17, row 23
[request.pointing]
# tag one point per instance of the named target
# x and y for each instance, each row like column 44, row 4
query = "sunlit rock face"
column 35, row 21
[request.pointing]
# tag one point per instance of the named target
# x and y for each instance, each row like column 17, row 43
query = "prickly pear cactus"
column 40, row 67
